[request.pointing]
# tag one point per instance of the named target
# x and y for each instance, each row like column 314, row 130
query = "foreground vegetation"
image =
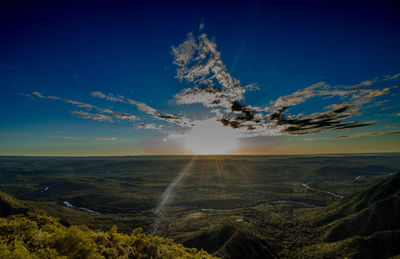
column 33, row 234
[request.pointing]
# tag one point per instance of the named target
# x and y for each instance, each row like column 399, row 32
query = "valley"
column 230, row 206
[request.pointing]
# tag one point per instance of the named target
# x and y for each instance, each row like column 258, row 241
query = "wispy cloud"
column 199, row 62
column 201, row 27
column 124, row 116
column 75, row 138
column 99, row 116
column 108, row 97
column 72, row 138
column 391, row 77
column 13, row 134
column 356, row 135
column 149, row 126
column 335, row 115
column 92, row 116
column 106, row 139
column 80, row 104
column 172, row 118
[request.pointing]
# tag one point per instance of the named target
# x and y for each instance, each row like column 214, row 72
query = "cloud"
column 72, row 138
column 393, row 126
column 201, row 27
column 172, row 118
column 100, row 117
column 85, row 138
column 124, row 116
column 356, row 135
column 96, row 116
column 242, row 116
column 157, row 114
column 392, row 77
column 334, row 118
column 298, row 97
column 14, row 134
column 106, row 139
column 80, row 104
column 98, row 94
column 199, row 62
column 38, row 94
column 119, row 115
column 149, row 126
column 109, row 97
column 75, row 103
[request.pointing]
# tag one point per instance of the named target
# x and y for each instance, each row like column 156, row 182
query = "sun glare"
column 211, row 137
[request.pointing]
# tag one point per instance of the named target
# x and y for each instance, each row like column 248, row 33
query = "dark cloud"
column 332, row 119
column 337, row 115
column 241, row 116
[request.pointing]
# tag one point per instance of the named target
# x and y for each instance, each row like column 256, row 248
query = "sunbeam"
column 167, row 193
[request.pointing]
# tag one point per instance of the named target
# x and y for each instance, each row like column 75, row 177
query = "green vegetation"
column 36, row 235
column 230, row 206
column 363, row 225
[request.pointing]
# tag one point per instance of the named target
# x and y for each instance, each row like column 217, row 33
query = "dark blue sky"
column 69, row 49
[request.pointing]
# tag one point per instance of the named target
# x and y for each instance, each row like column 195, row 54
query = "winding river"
column 69, row 205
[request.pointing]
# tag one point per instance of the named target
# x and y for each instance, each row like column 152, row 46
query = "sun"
column 210, row 137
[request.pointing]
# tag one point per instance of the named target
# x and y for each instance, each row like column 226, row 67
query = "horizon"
column 204, row 155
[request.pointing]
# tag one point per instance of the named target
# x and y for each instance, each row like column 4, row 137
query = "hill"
column 363, row 225
column 30, row 233
column 231, row 242
column 9, row 205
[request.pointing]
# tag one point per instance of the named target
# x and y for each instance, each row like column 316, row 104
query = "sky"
column 98, row 78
